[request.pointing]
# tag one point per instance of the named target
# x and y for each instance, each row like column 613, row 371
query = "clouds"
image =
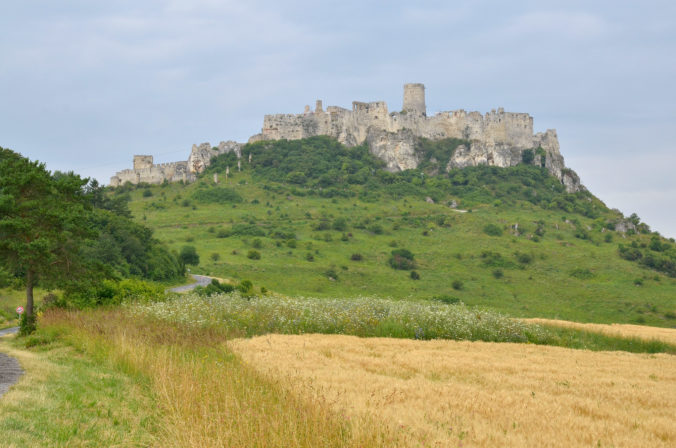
column 85, row 85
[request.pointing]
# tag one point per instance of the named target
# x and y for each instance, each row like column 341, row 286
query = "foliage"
column 111, row 292
column 215, row 287
column 434, row 155
column 493, row 230
column 361, row 317
column 124, row 248
column 402, row 259
column 189, row 255
column 659, row 254
column 217, row 195
column 253, row 255
column 44, row 220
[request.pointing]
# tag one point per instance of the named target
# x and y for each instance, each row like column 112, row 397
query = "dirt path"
column 9, row 331
column 200, row 280
column 10, row 370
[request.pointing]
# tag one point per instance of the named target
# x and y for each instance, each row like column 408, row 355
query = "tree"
column 44, row 218
column 189, row 255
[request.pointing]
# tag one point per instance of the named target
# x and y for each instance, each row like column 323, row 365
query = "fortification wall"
column 351, row 127
column 497, row 137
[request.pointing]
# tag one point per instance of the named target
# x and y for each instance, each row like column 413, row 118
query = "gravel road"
column 200, row 280
column 10, row 371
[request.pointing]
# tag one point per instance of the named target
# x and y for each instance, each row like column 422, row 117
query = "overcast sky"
column 85, row 85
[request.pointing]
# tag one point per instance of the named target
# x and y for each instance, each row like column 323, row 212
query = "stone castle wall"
column 145, row 171
column 496, row 138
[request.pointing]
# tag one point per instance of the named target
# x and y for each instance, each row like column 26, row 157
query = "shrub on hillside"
column 492, row 230
column 523, row 257
column 402, row 259
column 253, row 255
column 356, row 257
column 217, row 195
column 188, row 255
column 527, row 156
column 215, row 287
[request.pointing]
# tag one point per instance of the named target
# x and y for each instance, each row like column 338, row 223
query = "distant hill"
column 312, row 217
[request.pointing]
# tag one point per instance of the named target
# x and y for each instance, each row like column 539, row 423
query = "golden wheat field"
column 450, row 393
column 667, row 335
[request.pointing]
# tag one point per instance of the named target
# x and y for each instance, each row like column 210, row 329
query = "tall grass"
column 206, row 395
column 365, row 317
column 373, row 317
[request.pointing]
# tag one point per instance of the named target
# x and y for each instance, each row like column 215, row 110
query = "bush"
column 356, row 257
column 188, row 255
column 415, row 275
column 253, row 255
column 527, row 156
column 340, row 224
column 110, row 292
column 493, row 230
column 457, row 285
column 497, row 273
column 523, row 257
column 245, row 287
column 257, row 243
column 215, row 287
column 215, row 256
column 402, row 259
column 449, row 300
column 217, row 195
column 147, row 193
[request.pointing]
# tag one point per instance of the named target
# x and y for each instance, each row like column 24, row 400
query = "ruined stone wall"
column 154, row 174
column 146, row 172
column 497, row 137
column 143, row 162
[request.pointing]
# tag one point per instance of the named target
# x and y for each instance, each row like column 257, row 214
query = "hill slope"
column 314, row 218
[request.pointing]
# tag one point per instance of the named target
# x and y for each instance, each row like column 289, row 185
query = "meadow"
column 554, row 275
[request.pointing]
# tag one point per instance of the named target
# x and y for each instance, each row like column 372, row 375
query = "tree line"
column 61, row 231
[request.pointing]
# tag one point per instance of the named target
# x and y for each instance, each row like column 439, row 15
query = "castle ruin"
column 496, row 138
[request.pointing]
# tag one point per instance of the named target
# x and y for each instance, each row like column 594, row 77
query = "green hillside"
column 314, row 218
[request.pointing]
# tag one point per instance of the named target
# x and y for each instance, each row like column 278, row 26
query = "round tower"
column 414, row 99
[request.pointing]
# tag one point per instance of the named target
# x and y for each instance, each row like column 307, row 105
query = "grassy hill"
column 313, row 218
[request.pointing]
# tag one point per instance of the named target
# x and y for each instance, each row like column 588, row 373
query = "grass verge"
column 66, row 399
column 203, row 395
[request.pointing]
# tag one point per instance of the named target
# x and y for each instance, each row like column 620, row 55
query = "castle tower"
column 414, row 99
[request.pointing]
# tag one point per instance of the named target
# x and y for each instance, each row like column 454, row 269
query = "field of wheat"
column 459, row 393
column 667, row 335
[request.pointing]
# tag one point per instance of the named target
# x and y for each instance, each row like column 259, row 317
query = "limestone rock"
column 397, row 150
